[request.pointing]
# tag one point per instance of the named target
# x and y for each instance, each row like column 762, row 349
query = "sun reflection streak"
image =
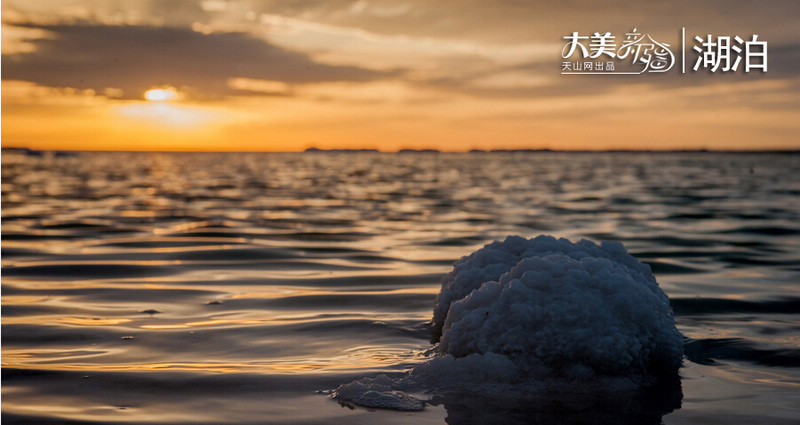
column 287, row 366
column 234, row 322
column 78, row 321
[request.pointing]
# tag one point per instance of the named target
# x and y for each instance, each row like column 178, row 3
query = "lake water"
column 186, row 288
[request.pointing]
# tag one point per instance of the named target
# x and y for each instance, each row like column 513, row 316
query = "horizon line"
column 312, row 150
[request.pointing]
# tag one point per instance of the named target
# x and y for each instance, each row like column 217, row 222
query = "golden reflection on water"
column 78, row 321
column 102, row 263
column 294, row 291
column 217, row 322
column 22, row 300
column 288, row 366
column 305, row 264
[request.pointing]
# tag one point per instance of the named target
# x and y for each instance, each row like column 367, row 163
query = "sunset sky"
column 253, row 75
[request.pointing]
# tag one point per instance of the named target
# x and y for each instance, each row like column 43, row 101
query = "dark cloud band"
column 136, row 58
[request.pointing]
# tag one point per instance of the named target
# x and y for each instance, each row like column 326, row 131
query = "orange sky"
column 272, row 75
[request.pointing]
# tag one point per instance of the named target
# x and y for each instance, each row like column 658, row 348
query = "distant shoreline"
column 69, row 152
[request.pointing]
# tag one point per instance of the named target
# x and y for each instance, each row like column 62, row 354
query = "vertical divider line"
column 683, row 50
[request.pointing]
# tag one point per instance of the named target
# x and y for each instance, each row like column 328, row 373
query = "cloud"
column 135, row 58
column 516, row 21
column 505, row 50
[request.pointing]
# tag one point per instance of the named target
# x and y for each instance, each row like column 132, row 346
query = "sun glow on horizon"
column 166, row 114
column 160, row 95
column 161, row 110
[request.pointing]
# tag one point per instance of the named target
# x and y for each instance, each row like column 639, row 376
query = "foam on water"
column 542, row 314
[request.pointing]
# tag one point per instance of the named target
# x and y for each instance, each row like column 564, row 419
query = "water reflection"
column 293, row 272
column 646, row 407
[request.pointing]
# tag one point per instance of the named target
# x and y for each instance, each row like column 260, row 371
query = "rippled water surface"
column 239, row 288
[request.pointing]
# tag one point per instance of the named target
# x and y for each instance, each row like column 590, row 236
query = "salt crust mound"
column 541, row 314
column 378, row 393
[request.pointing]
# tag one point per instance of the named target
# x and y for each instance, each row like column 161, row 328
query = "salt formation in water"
column 378, row 392
column 558, row 309
column 526, row 315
